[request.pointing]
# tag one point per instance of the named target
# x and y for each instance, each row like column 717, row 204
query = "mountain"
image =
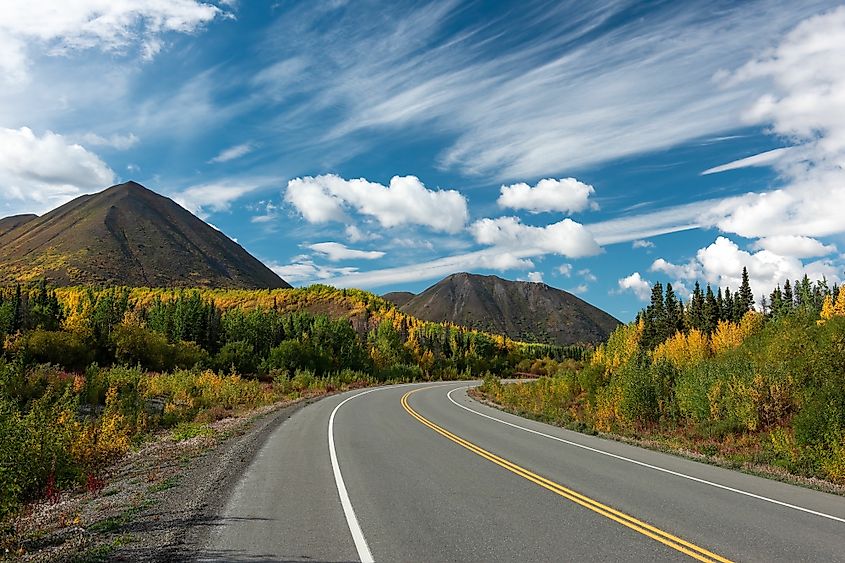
column 126, row 235
column 532, row 312
column 398, row 298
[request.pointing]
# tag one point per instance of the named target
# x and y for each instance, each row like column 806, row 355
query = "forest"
column 752, row 386
column 86, row 373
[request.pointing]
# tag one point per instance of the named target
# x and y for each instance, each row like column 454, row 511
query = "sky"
column 595, row 147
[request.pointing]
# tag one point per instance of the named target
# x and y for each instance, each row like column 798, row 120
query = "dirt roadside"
column 158, row 504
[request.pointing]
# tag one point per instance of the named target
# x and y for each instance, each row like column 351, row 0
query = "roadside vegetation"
column 87, row 374
column 713, row 377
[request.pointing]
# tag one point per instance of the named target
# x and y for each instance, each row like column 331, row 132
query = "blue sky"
column 596, row 147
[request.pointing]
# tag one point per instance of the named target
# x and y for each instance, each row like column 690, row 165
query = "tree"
column 695, row 311
column 788, row 298
column 655, row 318
column 746, row 297
column 711, row 311
column 674, row 316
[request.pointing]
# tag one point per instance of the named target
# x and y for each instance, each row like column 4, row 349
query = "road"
column 425, row 473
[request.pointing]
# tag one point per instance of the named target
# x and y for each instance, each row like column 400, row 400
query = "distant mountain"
column 126, row 235
column 399, row 298
column 532, row 312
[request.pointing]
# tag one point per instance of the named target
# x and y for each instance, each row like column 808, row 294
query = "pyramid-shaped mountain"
column 126, row 235
column 527, row 311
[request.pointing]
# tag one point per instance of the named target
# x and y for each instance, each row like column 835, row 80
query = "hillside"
column 126, row 235
column 399, row 298
column 531, row 312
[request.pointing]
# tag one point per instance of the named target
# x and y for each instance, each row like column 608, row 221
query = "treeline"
column 761, row 385
column 161, row 331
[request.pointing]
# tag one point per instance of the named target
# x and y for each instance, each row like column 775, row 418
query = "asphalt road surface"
column 425, row 473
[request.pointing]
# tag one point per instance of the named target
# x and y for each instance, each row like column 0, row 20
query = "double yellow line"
column 639, row 526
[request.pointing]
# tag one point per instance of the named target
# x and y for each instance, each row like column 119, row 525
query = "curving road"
column 424, row 473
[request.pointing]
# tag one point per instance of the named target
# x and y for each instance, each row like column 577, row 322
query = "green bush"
column 238, row 357
column 66, row 349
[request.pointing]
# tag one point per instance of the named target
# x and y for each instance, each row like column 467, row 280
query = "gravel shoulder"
column 158, row 504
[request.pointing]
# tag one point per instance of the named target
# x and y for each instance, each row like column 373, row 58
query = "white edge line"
column 643, row 464
column 361, row 546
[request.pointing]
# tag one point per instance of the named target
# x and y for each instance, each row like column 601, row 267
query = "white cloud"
column 587, row 275
column 108, row 25
column 116, row 141
column 565, row 95
column 336, row 251
column 38, row 173
column 796, row 246
column 565, row 270
column 762, row 159
column 566, row 195
column 535, row 277
column 218, row 196
column 405, row 201
column 579, row 289
column 688, row 271
column 640, row 243
column 637, row 285
column 303, row 269
column 232, row 153
column 565, row 238
column 721, row 264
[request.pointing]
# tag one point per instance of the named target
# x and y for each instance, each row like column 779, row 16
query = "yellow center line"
column 626, row 520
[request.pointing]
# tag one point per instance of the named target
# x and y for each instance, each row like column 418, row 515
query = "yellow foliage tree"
column 683, row 350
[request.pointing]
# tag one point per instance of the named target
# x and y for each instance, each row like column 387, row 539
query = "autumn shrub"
column 237, row 357
column 66, row 349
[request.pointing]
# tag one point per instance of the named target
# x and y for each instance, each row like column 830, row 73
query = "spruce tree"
column 746, row 296
column 655, row 318
column 729, row 305
column 711, row 311
column 674, row 319
column 695, row 311
column 788, row 298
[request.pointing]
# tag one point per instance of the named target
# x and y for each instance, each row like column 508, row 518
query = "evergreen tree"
column 655, row 318
column 711, row 311
column 729, row 305
column 788, row 299
column 695, row 311
column 674, row 317
column 746, row 297
column 720, row 303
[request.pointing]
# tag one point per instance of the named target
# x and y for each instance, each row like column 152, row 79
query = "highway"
column 425, row 473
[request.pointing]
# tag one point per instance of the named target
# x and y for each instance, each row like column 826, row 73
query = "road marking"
column 626, row 520
column 364, row 553
column 648, row 465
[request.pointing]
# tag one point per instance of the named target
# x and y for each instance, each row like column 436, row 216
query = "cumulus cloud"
column 579, row 289
column 38, row 172
column 566, row 195
column 109, row 26
column 587, row 275
column 807, row 108
column 336, row 251
column 535, row 277
column 640, row 243
column 796, row 246
column 565, row 238
column 721, row 264
column 232, row 153
column 405, row 201
column 636, row 285
column 565, row 270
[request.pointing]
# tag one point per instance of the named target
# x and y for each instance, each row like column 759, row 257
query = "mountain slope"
column 127, row 235
column 399, row 298
column 532, row 312
column 7, row 224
